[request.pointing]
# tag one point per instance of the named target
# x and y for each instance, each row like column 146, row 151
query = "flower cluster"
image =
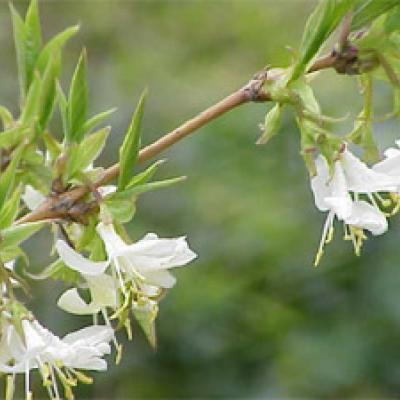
column 351, row 191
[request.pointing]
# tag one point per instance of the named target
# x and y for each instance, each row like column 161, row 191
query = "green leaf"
column 11, row 253
column 392, row 23
column 48, row 90
column 7, row 178
column 145, row 313
column 306, row 96
column 19, row 41
column 6, row 117
column 121, row 210
column 14, row 235
column 56, row 270
column 92, row 122
column 368, row 10
column 130, row 147
column 271, row 124
column 10, row 209
column 82, row 155
column 30, row 110
column 321, row 23
column 134, row 191
column 52, row 146
column 145, row 176
column 13, row 136
column 33, row 40
column 77, row 101
column 54, row 46
column 63, row 105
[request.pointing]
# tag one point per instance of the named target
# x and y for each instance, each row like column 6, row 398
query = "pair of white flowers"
column 34, row 347
column 351, row 192
column 143, row 264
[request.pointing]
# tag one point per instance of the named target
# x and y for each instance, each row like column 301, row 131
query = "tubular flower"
column 338, row 192
column 31, row 346
column 141, row 267
column 390, row 166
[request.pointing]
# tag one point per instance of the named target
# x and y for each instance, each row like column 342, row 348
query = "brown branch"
column 58, row 206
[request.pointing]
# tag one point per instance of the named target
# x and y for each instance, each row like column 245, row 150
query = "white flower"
column 102, row 286
column 145, row 264
column 35, row 347
column 332, row 194
column 390, row 165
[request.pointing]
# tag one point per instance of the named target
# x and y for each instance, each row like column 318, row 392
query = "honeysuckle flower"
column 143, row 264
column 390, row 165
column 35, row 347
column 102, row 286
column 332, row 193
column 149, row 259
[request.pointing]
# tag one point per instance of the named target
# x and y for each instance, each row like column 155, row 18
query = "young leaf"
column 121, row 210
column 271, row 124
column 87, row 151
column 14, row 235
column 321, row 23
column 13, row 136
column 134, row 191
column 53, row 46
column 29, row 112
column 33, row 40
column 57, row 271
column 77, row 101
column 130, row 147
column 145, row 312
column 368, row 10
column 145, row 176
column 7, row 178
column 6, row 117
column 48, row 90
column 92, row 122
column 63, row 106
column 19, row 40
column 9, row 211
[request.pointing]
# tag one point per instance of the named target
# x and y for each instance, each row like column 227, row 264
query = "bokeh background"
column 251, row 318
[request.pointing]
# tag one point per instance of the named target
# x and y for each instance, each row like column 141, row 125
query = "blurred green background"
column 251, row 318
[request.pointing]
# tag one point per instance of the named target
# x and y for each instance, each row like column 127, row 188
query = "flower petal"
column 152, row 253
column 361, row 179
column 103, row 290
column 114, row 244
column 368, row 217
column 161, row 278
column 320, row 184
column 77, row 262
column 70, row 301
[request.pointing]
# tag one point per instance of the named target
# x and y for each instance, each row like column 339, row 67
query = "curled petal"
column 362, row 179
column 70, row 301
column 77, row 262
column 368, row 217
column 152, row 253
column 161, row 278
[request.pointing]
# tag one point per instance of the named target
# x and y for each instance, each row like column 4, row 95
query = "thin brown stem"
column 57, row 206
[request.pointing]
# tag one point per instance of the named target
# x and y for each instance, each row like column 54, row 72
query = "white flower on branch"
column 143, row 264
column 390, row 165
column 339, row 194
column 31, row 346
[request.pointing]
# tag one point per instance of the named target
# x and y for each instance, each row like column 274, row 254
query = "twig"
column 55, row 206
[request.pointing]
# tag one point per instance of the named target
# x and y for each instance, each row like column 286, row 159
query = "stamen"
column 326, row 233
column 10, row 387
